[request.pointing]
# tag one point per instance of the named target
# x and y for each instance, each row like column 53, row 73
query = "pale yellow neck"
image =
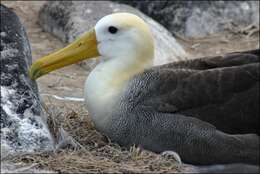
column 106, row 82
column 119, row 72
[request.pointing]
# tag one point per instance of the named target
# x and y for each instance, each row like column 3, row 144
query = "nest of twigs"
column 87, row 151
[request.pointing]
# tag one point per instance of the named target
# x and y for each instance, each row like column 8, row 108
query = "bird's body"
column 186, row 105
column 204, row 109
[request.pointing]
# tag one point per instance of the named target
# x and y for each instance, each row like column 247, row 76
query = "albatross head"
column 119, row 37
column 124, row 35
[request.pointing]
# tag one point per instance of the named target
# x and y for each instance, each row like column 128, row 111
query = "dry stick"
column 25, row 169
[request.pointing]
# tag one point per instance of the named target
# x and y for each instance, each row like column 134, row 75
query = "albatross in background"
column 206, row 110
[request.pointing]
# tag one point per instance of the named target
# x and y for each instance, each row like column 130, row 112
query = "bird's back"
column 221, row 90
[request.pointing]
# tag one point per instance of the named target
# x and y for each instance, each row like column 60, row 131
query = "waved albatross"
column 170, row 107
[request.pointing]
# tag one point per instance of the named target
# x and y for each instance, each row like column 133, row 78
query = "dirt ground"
column 90, row 151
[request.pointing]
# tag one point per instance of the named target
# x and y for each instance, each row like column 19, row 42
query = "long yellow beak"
column 84, row 47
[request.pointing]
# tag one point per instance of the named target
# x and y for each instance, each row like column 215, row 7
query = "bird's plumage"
column 189, row 107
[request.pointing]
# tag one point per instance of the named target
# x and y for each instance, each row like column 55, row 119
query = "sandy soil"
column 72, row 116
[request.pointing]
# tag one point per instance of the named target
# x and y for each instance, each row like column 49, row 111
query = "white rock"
column 23, row 128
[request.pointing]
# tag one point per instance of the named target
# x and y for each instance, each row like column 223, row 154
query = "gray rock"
column 199, row 18
column 22, row 127
column 69, row 19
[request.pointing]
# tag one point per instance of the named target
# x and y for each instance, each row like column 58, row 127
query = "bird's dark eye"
column 112, row 29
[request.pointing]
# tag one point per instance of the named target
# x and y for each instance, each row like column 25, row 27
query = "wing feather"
column 222, row 90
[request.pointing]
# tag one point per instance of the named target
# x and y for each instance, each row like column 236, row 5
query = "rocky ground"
column 90, row 151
